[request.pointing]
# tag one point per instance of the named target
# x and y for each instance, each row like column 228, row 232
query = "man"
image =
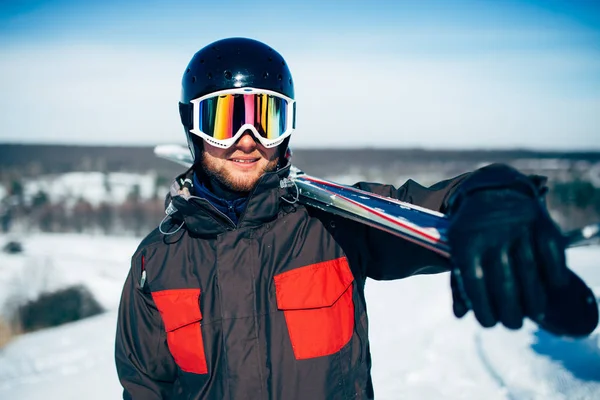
column 246, row 294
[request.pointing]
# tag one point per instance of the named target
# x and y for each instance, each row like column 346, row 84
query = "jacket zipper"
column 233, row 225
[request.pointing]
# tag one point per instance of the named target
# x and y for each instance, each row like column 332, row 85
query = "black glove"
column 508, row 256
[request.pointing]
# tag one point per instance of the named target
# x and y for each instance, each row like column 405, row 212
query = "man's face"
column 239, row 167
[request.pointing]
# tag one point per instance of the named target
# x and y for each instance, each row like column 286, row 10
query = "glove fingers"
column 460, row 302
column 503, row 289
column 527, row 273
column 550, row 253
column 469, row 262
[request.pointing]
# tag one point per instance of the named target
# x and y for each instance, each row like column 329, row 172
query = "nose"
column 247, row 142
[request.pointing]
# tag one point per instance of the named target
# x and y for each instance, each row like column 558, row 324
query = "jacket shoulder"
column 154, row 238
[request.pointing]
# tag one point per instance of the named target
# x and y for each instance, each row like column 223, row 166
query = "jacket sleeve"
column 144, row 364
column 390, row 257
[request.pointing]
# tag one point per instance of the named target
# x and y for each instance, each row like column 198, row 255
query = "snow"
column 73, row 361
column 420, row 351
column 53, row 261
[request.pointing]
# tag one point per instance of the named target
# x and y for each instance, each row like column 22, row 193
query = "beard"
column 238, row 183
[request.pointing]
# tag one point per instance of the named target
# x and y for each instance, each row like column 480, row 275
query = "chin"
column 245, row 184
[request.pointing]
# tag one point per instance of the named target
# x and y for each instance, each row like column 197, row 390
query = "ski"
column 426, row 228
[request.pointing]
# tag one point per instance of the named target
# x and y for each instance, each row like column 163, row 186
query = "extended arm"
column 507, row 255
column 390, row 257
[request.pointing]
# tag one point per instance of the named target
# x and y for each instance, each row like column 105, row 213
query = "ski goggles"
column 221, row 118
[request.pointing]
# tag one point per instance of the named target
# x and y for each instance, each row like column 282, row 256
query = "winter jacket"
column 273, row 308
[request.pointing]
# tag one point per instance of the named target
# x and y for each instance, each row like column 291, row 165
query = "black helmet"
column 229, row 64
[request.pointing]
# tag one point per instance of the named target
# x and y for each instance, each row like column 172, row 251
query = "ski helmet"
column 229, row 64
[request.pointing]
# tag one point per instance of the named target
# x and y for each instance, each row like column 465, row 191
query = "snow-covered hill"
column 420, row 351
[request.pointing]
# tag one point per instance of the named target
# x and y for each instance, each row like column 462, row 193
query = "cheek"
column 210, row 162
column 214, row 152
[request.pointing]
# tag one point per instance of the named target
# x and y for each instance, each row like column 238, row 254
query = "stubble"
column 235, row 181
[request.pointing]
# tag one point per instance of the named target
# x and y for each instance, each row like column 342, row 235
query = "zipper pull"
column 143, row 279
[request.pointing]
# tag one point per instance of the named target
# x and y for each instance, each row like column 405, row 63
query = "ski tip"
column 168, row 149
column 176, row 153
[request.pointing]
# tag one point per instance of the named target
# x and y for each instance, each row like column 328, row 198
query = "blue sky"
column 434, row 74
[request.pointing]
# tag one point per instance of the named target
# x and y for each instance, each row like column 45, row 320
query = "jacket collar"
column 201, row 218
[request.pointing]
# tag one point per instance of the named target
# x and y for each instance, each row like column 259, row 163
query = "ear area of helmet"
column 186, row 114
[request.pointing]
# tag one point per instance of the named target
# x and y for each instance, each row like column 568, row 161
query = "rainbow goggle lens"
column 222, row 117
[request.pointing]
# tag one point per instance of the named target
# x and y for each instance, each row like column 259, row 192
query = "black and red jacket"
column 272, row 308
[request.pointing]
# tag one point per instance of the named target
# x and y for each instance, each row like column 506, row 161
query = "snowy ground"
column 420, row 351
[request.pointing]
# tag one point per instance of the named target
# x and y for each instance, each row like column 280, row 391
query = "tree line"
column 572, row 204
column 134, row 216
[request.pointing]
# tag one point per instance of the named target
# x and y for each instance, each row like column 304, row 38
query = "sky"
column 432, row 73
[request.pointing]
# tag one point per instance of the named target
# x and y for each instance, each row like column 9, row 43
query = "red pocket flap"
column 178, row 307
column 313, row 286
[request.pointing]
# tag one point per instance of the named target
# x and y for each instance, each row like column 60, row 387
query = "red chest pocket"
column 318, row 307
column 180, row 312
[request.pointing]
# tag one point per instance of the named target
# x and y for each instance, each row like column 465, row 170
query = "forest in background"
column 121, row 190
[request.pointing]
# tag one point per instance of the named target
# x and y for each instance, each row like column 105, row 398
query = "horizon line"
column 515, row 149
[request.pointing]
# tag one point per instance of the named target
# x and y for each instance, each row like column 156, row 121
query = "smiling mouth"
column 244, row 160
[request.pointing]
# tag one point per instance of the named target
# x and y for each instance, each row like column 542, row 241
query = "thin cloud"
column 395, row 75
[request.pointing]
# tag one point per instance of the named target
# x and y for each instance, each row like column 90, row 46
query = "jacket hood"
column 201, row 218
